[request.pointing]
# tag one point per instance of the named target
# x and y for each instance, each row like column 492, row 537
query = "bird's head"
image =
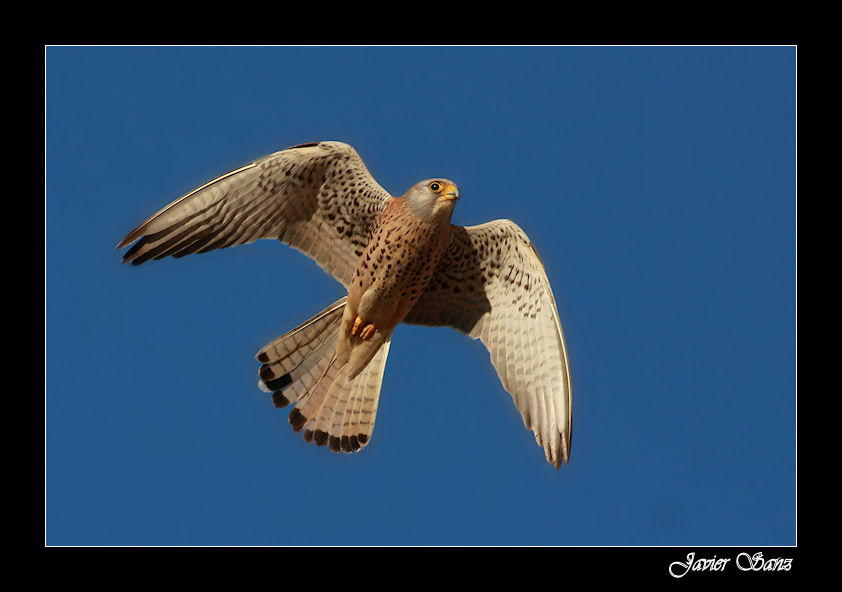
column 432, row 199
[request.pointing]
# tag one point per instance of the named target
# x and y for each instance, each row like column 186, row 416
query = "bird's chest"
column 400, row 259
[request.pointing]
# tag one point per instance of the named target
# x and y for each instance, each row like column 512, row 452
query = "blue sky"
column 657, row 183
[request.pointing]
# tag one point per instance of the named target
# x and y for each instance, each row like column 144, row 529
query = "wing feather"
column 492, row 285
column 318, row 198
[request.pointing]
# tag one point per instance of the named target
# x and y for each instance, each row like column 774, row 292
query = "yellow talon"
column 358, row 322
column 367, row 332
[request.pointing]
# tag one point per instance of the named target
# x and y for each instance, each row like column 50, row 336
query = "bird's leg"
column 367, row 331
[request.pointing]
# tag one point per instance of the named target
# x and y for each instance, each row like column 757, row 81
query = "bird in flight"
column 401, row 261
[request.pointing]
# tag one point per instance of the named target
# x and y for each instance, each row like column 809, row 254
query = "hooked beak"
column 451, row 193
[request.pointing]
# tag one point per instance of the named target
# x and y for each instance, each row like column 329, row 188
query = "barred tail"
column 330, row 408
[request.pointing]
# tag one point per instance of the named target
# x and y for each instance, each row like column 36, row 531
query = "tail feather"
column 288, row 350
column 310, row 407
column 361, row 410
column 346, row 413
column 301, row 381
column 293, row 361
column 331, row 407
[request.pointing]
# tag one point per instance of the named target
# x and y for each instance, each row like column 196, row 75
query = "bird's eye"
column 435, row 186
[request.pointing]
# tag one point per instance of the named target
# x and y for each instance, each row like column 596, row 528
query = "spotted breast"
column 405, row 248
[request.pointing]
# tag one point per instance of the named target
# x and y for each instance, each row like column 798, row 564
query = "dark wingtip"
column 132, row 256
column 262, row 357
column 131, row 237
column 124, row 243
column 320, row 438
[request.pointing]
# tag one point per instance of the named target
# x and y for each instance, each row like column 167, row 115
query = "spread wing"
column 491, row 284
column 318, row 198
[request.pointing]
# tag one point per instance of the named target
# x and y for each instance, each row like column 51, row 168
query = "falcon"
column 401, row 261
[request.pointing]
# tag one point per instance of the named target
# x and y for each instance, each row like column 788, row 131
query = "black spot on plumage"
column 279, row 383
column 320, row 438
column 354, row 443
column 333, row 444
column 279, row 400
column 297, row 420
column 262, row 357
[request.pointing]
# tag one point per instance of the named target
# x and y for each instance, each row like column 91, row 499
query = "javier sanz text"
column 743, row 562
